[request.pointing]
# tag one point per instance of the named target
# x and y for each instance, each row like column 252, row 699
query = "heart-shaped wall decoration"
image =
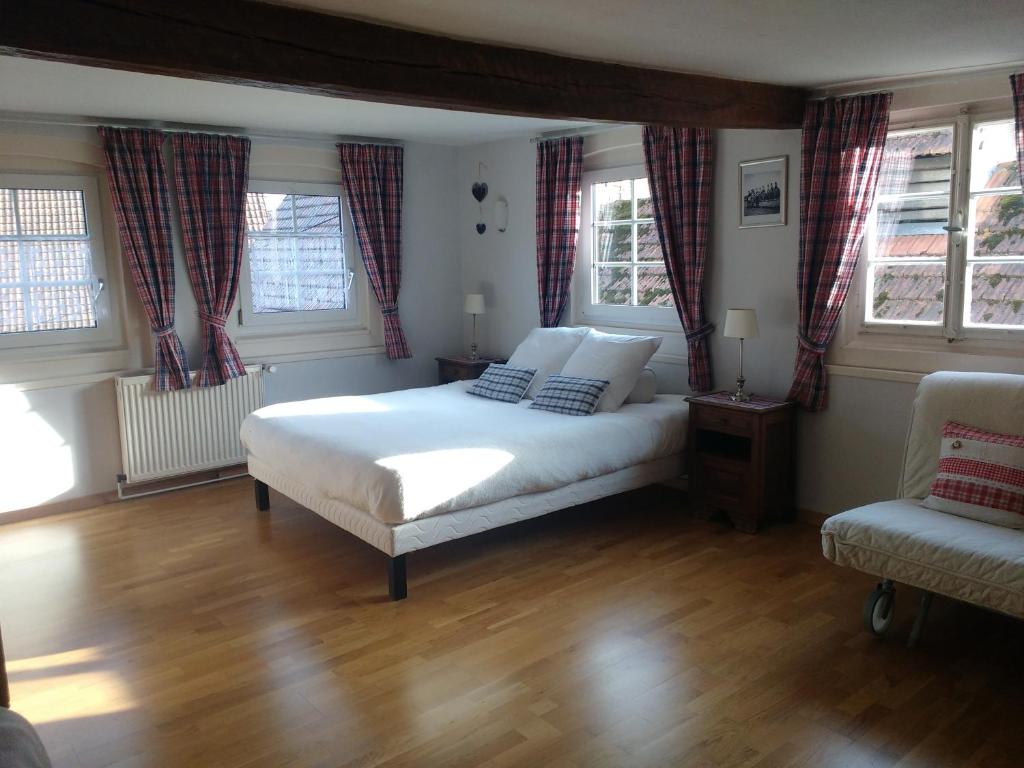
column 481, row 228
column 480, row 191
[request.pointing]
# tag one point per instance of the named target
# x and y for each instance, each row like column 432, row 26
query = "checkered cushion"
column 570, row 395
column 502, row 382
column 981, row 476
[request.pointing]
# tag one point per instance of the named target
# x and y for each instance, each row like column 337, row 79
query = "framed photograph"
column 763, row 192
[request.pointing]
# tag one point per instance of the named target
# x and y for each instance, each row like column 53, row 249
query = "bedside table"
column 741, row 458
column 461, row 368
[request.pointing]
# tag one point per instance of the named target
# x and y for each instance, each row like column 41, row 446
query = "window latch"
column 97, row 288
column 957, row 224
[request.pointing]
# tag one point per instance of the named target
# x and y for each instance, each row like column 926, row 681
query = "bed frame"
column 397, row 541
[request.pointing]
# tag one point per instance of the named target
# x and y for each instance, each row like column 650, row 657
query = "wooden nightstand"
column 461, row 368
column 741, row 458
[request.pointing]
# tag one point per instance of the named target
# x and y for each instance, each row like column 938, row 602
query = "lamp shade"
column 740, row 324
column 474, row 304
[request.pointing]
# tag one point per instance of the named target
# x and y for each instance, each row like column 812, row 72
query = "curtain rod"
column 586, row 130
column 904, row 83
column 73, row 121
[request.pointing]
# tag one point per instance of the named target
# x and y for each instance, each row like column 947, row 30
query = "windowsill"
column 297, row 343
column 907, row 357
column 57, row 365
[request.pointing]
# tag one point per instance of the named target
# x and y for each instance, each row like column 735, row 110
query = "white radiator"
column 164, row 434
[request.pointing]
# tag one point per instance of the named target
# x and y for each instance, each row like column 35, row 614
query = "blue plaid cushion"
column 570, row 395
column 500, row 382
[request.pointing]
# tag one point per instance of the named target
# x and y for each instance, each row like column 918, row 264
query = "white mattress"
column 406, row 455
column 435, row 529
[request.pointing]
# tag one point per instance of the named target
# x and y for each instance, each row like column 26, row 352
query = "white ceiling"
column 795, row 42
column 46, row 87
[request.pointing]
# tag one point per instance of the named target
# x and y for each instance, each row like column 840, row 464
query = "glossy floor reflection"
column 188, row 630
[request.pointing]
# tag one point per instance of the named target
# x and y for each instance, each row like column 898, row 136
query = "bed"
column 410, row 469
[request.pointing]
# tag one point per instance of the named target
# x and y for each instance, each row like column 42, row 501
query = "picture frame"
column 763, row 192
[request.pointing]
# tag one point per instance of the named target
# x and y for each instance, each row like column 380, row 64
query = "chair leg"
column 396, row 578
column 919, row 620
column 262, row 496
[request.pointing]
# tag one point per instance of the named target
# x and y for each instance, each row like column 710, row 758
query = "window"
column 50, row 247
column 296, row 248
column 620, row 253
column 925, row 272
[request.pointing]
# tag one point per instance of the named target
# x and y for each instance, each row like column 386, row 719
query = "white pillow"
column 645, row 389
column 546, row 350
column 614, row 357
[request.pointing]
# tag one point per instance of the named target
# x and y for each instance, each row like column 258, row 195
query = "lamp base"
column 472, row 352
column 739, row 396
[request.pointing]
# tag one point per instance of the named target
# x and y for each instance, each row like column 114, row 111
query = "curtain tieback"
column 164, row 330
column 390, row 311
column 810, row 346
column 213, row 320
column 703, row 332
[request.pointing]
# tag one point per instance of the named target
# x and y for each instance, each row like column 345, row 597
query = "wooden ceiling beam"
column 274, row 46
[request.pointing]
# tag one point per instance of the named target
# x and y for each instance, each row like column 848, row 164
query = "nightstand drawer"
column 723, row 420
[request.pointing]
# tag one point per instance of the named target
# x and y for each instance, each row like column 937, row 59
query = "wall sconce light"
column 501, row 214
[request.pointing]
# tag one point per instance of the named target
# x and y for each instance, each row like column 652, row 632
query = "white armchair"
column 901, row 541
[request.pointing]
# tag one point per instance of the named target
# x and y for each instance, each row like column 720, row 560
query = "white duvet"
column 417, row 452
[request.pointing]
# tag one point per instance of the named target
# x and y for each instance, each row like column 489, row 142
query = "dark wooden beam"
column 253, row 43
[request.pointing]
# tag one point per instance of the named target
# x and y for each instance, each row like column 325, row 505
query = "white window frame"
column 605, row 315
column 105, row 331
column 922, row 348
column 325, row 319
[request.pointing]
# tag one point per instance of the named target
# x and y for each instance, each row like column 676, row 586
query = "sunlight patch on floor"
column 36, row 464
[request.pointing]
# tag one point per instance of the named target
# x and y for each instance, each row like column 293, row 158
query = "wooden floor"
column 188, row 630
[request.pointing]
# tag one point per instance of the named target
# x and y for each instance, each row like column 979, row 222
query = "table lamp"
column 474, row 306
column 740, row 324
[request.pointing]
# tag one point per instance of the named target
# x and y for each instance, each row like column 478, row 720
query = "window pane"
column 644, row 206
column 648, row 246
column 10, row 267
column 997, row 294
column 614, row 243
column 613, row 201
column 652, row 287
column 998, row 225
column 12, row 310
column 912, row 227
column 58, row 260
column 916, row 163
column 51, row 211
column 297, row 274
column 267, row 212
column 614, row 285
column 317, row 213
column 7, row 223
column 61, row 307
column 907, row 292
column 993, row 156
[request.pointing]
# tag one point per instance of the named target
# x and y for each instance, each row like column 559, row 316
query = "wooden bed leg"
column 396, row 578
column 262, row 496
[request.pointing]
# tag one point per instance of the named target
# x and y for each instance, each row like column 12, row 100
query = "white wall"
column 849, row 454
column 72, row 427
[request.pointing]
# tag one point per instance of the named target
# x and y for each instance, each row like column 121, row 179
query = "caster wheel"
column 880, row 609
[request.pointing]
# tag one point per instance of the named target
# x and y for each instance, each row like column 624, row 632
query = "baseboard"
column 79, row 503
column 61, row 507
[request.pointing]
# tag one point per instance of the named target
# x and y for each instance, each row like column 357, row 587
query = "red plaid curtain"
column 1017, row 84
column 211, row 174
column 135, row 170
column 559, row 167
column 842, row 145
column 680, row 167
column 372, row 175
